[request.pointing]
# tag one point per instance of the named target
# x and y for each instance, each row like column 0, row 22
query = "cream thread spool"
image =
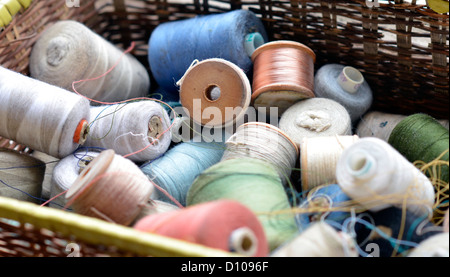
column 21, row 176
column 318, row 159
column 65, row 172
column 315, row 117
column 318, row 240
column 265, row 142
column 154, row 207
column 435, row 246
column 41, row 116
column 380, row 124
column 69, row 51
column 111, row 188
column 377, row 176
column 137, row 130
column 215, row 88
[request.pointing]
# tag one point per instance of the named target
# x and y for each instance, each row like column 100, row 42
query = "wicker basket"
column 401, row 47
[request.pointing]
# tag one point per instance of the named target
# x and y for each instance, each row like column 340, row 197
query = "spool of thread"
column 283, row 74
column 155, row 207
column 394, row 231
column 265, row 142
column 174, row 45
column 420, row 137
column 177, row 169
column 215, row 92
column 345, row 85
column 222, row 224
column 318, row 240
column 377, row 176
column 318, row 159
column 21, row 176
column 435, row 246
column 66, row 172
column 138, row 130
column 41, row 116
column 111, row 188
column 254, row 183
column 380, row 124
column 68, row 51
column 315, row 117
column 326, row 203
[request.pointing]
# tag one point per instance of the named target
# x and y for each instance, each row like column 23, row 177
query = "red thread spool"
column 224, row 224
column 283, row 73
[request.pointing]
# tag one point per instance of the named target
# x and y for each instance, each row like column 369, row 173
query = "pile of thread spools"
column 241, row 144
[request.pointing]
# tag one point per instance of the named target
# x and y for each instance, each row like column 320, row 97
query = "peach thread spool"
column 41, row 116
column 215, row 88
column 111, row 188
column 283, row 73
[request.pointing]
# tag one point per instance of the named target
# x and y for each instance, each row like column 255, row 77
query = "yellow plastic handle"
column 439, row 6
column 9, row 8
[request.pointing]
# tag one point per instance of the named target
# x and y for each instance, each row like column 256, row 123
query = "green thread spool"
column 254, row 183
column 420, row 137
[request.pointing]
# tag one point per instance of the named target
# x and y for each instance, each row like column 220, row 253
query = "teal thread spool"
column 420, row 137
column 254, row 183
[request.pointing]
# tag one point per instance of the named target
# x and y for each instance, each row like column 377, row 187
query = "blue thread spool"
column 389, row 222
column 345, row 85
column 329, row 197
column 176, row 170
column 173, row 46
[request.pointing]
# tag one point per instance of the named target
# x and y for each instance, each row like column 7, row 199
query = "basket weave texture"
column 401, row 47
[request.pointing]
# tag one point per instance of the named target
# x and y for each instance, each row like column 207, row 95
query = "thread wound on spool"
column 111, row 188
column 283, row 73
column 376, row 175
column 215, row 88
column 315, row 117
column 345, row 85
column 223, row 224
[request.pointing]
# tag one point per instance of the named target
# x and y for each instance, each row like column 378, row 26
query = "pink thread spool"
column 111, row 188
column 224, row 224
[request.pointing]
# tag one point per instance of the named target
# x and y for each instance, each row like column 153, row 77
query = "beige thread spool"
column 315, row 117
column 318, row 159
column 318, row 240
column 68, row 51
column 435, row 246
column 380, row 124
column 155, row 207
column 21, row 172
column 111, row 188
column 215, row 88
column 265, row 142
column 43, row 117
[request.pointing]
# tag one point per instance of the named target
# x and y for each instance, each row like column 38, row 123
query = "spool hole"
column 252, row 42
column 243, row 241
column 212, row 93
column 353, row 74
column 360, row 164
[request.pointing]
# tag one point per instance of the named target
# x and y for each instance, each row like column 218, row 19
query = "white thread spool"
column 265, row 142
column 20, row 174
column 41, row 116
column 315, row 117
column 435, row 246
column 376, row 175
column 65, row 172
column 215, row 92
column 111, row 188
column 68, row 51
column 318, row 159
column 380, row 124
column 131, row 127
column 318, row 240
